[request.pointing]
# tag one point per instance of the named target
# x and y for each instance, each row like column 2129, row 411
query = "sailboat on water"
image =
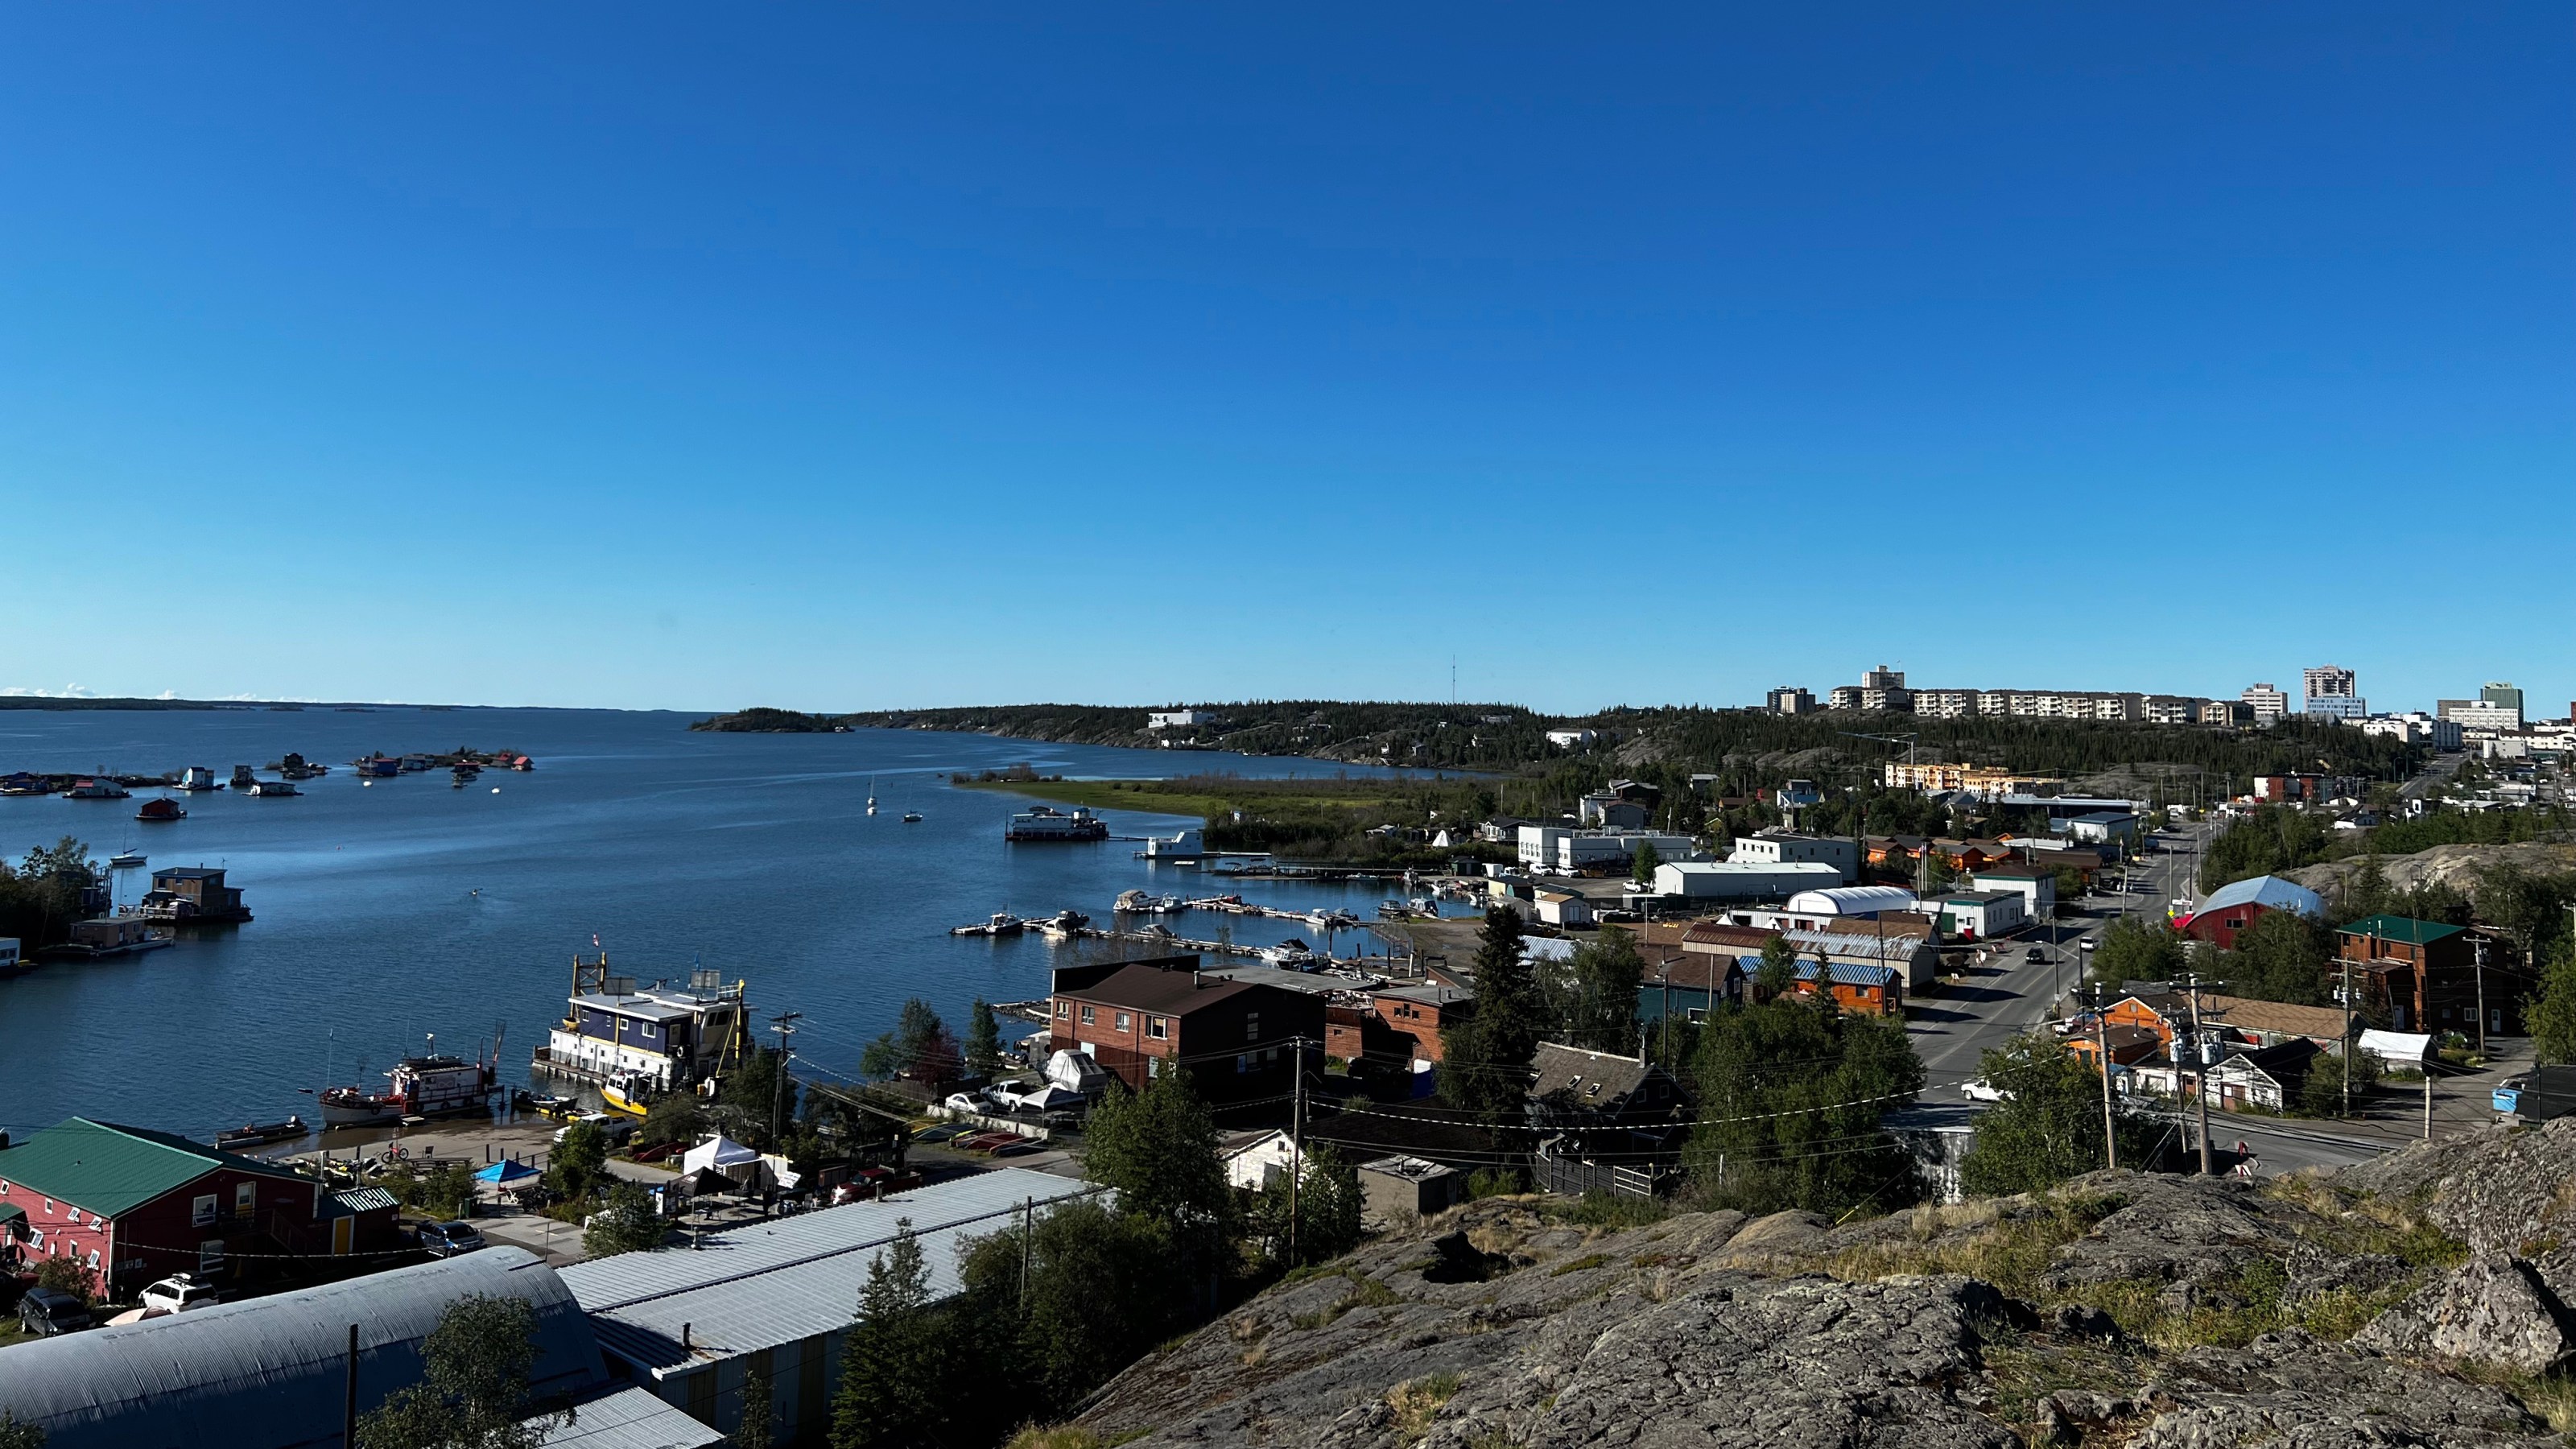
column 872, row 794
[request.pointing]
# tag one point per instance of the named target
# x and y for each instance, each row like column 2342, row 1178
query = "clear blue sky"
column 839, row 357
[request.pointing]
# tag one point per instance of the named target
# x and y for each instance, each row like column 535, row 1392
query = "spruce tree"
column 891, row 1385
column 1485, row 1058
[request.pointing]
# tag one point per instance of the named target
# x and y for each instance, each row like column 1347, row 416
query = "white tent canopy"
column 718, row 1152
column 2397, row 1048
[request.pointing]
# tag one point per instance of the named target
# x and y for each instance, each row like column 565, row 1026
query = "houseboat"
column 11, row 963
column 271, row 789
column 377, row 767
column 195, row 894
column 1046, row 823
column 163, row 809
column 243, row 779
column 432, row 1084
column 101, row 788
column 198, row 777
column 296, row 767
column 638, row 1045
column 105, row 937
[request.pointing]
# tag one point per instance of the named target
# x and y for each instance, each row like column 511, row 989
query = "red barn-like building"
column 132, row 1205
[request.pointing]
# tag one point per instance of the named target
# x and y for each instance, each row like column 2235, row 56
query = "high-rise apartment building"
column 1789, row 699
column 2333, row 693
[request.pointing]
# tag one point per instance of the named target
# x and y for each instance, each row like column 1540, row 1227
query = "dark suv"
column 44, row 1311
column 448, row 1239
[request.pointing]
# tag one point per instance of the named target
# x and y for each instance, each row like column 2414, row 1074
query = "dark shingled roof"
column 1166, row 992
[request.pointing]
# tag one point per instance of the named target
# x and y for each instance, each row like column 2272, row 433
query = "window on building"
column 210, row 1256
column 1125, row 1022
column 202, row 1212
column 1158, row 1027
column 1252, row 1026
column 1088, row 1017
column 1061, row 1008
column 244, row 1196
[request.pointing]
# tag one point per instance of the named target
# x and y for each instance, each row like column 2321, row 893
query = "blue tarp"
column 505, row 1171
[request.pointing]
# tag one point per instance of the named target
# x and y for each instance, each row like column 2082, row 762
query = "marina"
column 385, row 914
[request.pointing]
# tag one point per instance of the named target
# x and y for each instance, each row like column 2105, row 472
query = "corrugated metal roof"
column 267, row 1373
column 767, row 1284
column 630, row 1418
column 109, row 1169
column 2268, row 891
column 2385, row 928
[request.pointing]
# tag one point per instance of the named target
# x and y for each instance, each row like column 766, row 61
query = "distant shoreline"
column 284, row 706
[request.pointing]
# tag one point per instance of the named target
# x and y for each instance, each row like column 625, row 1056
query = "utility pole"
column 785, row 1024
column 1296, row 1140
column 2102, row 1048
column 2428, row 1097
column 2199, row 1074
column 2347, row 1037
column 1028, row 1230
column 2479, row 945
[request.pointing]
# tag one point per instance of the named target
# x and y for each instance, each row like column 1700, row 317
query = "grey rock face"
column 2492, row 1310
column 2290, row 1389
column 2500, row 1190
column 1497, row 1324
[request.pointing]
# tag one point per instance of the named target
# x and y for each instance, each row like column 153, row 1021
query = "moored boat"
column 256, row 1133
column 163, row 810
column 1048, row 824
column 1003, row 923
column 432, row 1084
column 128, row 860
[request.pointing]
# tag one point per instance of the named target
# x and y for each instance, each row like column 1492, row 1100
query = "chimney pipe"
column 684, row 1335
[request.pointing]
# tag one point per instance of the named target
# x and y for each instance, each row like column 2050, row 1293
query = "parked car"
column 180, row 1292
column 618, row 1126
column 450, row 1239
column 45, row 1312
column 967, row 1102
column 1978, row 1089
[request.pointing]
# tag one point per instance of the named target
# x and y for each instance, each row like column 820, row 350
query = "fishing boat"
column 432, row 1084
column 256, row 1133
column 1003, row 923
column 127, row 860
column 912, row 817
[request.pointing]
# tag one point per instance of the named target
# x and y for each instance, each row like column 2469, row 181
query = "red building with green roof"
column 2423, row 976
column 132, row 1205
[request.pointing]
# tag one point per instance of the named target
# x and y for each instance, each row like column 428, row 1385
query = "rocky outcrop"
column 2455, row 866
column 2150, row 1311
column 2495, row 1310
column 2501, row 1189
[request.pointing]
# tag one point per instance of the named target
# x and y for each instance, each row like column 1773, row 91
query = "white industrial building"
column 1742, row 880
column 1559, row 850
column 1783, row 848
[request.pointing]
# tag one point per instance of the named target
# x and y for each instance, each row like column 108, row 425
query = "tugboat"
column 429, row 1085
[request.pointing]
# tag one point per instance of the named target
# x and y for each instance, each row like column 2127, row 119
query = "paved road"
column 2011, row 995
column 1953, row 1029
column 2436, row 772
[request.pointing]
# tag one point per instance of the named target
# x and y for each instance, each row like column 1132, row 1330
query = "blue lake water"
column 389, row 911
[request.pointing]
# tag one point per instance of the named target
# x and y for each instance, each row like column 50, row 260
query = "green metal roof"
column 109, row 1169
column 2400, row 928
